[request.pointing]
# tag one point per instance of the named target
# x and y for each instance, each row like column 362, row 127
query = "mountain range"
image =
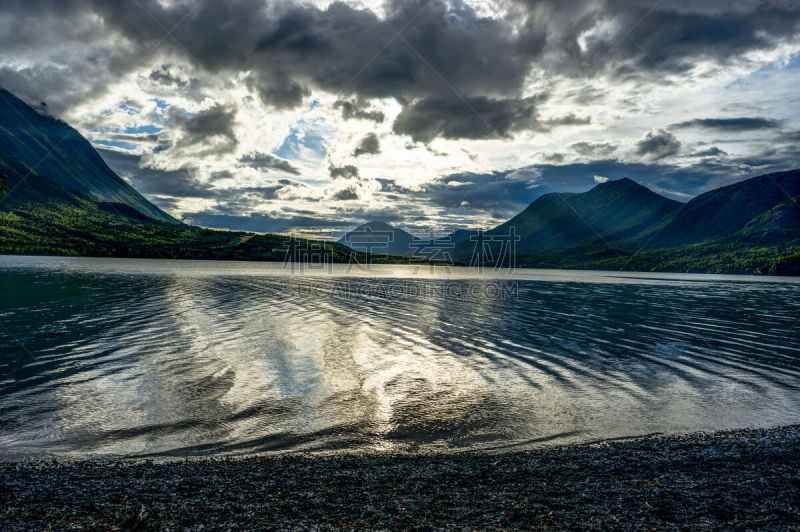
column 61, row 198
column 381, row 238
column 748, row 227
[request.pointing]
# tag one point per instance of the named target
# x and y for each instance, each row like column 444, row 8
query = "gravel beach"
column 745, row 479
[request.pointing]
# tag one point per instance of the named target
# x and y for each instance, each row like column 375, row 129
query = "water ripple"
column 150, row 358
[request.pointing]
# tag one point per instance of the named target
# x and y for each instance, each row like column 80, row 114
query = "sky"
column 281, row 116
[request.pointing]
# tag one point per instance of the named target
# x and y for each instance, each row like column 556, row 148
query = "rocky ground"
column 731, row 480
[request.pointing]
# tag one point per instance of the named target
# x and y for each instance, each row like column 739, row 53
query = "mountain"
column 379, row 238
column 749, row 227
column 56, row 151
column 609, row 211
column 461, row 235
column 779, row 223
column 40, row 217
column 726, row 210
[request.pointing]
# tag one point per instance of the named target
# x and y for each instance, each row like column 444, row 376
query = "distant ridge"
column 372, row 237
column 726, row 210
column 61, row 199
column 379, row 238
column 610, row 210
column 58, row 152
column 752, row 226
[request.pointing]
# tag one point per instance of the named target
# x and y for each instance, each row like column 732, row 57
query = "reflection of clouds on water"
column 186, row 361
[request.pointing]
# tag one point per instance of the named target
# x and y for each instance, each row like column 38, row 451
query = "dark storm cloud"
column 567, row 120
column 163, row 75
column 351, row 110
column 347, row 193
column 500, row 194
column 594, row 149
column 731, row 124
column 368, row 145
column 445, row 52
column 261, row 223
column 215, row 123
column 473, row 118
column 154, row 182
column 343, row 172
column 658, row 144
column 713, row 151
column 279, row 91
column 646, row 37
column 161, row 184
column 264, row 161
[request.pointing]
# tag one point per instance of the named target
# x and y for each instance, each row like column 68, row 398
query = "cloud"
column 165, row 186
column 351, row 111
column 152, row 181
column 264, row 161
column 713, row 151
column 570, row 119
column 500, row 194
column 164, row 76
column 343, row 172
column 368, row 145
column 213, row 127
column 473, row 118
column 347, row 193
column 279, row 91
column 448, row 52
column 594, row 149
column 658, row 144
column 599, row 179
column 731, row 124
column 259, row 222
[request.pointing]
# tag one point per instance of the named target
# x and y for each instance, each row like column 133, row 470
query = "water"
column 140, row 357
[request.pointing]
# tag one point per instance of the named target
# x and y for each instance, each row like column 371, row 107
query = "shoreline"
column 476, row 273
column 741, row 478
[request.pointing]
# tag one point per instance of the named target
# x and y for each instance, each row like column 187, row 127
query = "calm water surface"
column 146, row 357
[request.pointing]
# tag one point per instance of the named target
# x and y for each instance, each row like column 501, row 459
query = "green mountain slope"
column 749, row 227
column 41, row 217
column 55, row 150
column 775, row 225
column 610, row 211
column 724, row 211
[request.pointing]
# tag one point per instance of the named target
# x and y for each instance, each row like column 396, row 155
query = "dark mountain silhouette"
column 379, row 238
column 461, row 235
column 726, row 210
column 750, row 226
column 54, row 150
column 779, row 223
column 609, row 211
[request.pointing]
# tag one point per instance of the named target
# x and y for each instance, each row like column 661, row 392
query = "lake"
column 160, row 358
